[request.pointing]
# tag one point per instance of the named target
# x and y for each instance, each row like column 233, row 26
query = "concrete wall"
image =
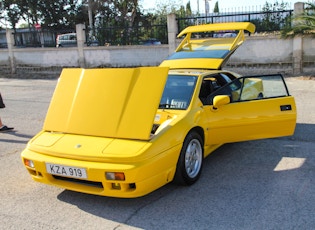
column 309, row 55
column 123, row 56
column 50, row 60
column 258, row 55
column 309, row 48
column 261, row 54
column 264, row 50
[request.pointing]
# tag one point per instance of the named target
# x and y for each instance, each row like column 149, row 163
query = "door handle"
column 285, row 107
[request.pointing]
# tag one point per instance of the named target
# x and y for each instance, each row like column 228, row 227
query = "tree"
column 10, row 12
column 188, row 9
column 56, row 14
column 302, row 24
column 115, row 12
column 30, row 11
column 216, row 7
column 165, row 7
column 60, row 13
column 274, row 17
column 116, row 17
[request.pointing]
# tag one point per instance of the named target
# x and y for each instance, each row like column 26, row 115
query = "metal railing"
column 31, row 37
column 127, row 35
column 264, row 21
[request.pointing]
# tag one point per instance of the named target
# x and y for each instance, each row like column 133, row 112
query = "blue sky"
column 224, row 5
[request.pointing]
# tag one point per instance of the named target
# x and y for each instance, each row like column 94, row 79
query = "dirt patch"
column 306, row 78
column 38, row 75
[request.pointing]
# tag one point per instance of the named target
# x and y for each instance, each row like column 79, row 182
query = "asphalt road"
column 264, row 184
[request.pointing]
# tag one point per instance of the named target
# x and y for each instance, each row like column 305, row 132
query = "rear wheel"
column 190, row 161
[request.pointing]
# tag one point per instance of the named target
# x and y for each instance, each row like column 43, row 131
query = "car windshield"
column 178, row 92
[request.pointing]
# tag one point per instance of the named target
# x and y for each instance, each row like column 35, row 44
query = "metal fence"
column 136, row 35
column 32, row 37
column 264, row 21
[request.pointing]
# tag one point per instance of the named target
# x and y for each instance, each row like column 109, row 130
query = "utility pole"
column 207, row 9
column 90, row 15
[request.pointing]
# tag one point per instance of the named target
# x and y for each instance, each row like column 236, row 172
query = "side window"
column 73, row 37
column 258, row 87
column 254, row 88
column 225, row 77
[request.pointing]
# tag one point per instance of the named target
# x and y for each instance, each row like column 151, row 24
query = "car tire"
column 190, row 160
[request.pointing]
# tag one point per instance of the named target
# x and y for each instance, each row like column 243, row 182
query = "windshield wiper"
column 164, row 106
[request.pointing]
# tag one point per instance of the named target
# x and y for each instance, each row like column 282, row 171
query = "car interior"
column 212, row 84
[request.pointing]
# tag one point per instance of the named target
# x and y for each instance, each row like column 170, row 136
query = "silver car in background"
column 66, row 40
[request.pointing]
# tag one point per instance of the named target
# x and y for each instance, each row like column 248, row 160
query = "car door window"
column 72, row 37
column 253, row 88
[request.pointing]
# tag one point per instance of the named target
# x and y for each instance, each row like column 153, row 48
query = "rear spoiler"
column 241, row 26
column 219, row 27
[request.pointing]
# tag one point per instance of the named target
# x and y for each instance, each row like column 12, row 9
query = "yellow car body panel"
column 121, row 132
column 106, row 102
column 252, row 120
column 198, row 64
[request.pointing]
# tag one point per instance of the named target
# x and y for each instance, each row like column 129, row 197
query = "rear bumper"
column 140, row 178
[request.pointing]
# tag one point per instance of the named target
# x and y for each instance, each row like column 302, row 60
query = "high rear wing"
column 219, row 27
column 240, row 26
column 207, row 52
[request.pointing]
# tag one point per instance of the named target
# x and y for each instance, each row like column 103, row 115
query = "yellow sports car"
column 127, row 132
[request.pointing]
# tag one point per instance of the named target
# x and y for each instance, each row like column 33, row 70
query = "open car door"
column 251, row 108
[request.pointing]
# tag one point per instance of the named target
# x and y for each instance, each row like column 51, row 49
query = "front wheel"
column 190, row 161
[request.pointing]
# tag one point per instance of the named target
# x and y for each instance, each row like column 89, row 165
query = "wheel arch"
column 183, row 171
column 200, row 131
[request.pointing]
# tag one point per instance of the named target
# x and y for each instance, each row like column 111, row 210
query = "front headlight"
column 115, row 176
column 29, row 163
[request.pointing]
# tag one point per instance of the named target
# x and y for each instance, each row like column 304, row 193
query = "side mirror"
column 220, row 100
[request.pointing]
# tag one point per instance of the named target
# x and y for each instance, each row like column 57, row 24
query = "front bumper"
column 141, row 178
